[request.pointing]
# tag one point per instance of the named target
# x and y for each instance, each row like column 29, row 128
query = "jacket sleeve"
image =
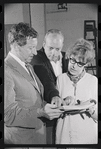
column 47, row 81
column 14, row 113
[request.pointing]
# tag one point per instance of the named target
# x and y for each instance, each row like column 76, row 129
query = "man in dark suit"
column 24, row 104
column 48, row 64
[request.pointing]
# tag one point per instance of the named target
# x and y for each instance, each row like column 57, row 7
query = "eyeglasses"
column 73, row 61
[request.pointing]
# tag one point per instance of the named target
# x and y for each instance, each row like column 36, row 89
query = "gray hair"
column 54, row 31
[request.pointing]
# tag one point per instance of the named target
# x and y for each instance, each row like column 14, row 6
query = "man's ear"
column 43, row 43
column 14, row 45
column 62, row 45
column 17, row 47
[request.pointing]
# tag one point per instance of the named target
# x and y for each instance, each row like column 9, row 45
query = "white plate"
column 84, row 105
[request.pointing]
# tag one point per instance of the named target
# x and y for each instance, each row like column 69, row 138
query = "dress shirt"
column 57, row 67
column 19, row 61
column 24, row 66
column 32, row 75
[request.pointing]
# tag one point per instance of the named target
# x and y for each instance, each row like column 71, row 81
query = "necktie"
column 32, row 75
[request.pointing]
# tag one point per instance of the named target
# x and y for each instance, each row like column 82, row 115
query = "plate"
column 83, row 106
column 75, row 111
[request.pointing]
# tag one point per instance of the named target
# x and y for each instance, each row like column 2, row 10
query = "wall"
column 37, row 21
column 25, row 12
column 41, row 17
column 15, row 13
column 71, row 23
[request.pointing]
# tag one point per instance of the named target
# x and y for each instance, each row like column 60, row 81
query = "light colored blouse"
column 77, row 129
column 86, row 87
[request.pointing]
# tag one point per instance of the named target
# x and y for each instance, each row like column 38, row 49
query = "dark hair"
column 83, row 49
column 20, row 32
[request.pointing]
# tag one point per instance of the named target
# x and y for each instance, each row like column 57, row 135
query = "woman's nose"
column 74, row 65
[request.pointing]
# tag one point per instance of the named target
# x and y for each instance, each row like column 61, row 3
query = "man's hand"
column 50, row 111
column 57, row 101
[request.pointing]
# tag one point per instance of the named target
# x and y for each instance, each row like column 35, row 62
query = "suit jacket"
column 22, row 99
column 45, row 72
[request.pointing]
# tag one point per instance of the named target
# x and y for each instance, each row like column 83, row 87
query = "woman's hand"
column 69, row 100
column 93, row 110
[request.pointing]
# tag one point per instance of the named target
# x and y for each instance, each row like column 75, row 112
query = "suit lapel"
column 47, row 62
column 15, row 65
column 38, row 81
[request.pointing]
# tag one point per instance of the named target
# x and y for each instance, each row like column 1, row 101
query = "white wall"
column 37, row 21
column 13, row 13
column 25, row 12
column 71, row 23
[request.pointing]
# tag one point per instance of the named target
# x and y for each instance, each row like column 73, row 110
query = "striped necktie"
column 32, row 75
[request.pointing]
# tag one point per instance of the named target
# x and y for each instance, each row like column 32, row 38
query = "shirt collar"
column 17, row 59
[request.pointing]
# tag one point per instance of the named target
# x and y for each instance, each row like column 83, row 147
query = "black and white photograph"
column 50, row 74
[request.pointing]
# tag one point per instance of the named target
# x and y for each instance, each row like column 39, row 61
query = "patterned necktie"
column 32, row 75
